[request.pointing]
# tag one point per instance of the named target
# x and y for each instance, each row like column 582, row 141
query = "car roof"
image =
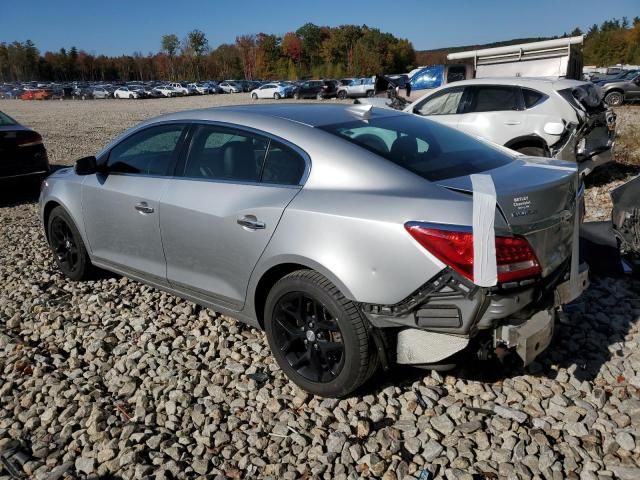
column 537, row 82
column 309, row 114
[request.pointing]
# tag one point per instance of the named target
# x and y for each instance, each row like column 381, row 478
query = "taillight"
column 515, row 259
column 28, row 139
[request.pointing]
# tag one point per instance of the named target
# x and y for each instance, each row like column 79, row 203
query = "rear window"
column 428, row 149
column 6, row 120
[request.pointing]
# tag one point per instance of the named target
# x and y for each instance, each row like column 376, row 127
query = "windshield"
column 6, row 120
column 426, row 148
column 630, row 75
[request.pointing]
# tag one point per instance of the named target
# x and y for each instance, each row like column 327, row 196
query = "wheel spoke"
column 301, row 360
column 289, row 330
column 316, row 364
column 330, row 347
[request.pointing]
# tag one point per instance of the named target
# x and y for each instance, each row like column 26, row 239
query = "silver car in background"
column 346, row 232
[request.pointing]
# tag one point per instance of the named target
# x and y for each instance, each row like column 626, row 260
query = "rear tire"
column 296, row 96
column 532, row 151
column 67, row 246
column 277, row 96
column 614, row 99
column 319, row 96
column 318, row 337
column 342, row 94
column 370, row 93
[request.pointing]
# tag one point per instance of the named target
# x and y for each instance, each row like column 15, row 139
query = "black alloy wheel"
column 309, row 337
column 64, row 246
column 320, row 339
column 67, row 246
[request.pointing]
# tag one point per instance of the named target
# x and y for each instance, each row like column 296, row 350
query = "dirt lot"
column 113, row 379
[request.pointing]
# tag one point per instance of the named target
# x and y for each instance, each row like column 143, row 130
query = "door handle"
column 512, row 122
column 143, row 207
column 251, row 222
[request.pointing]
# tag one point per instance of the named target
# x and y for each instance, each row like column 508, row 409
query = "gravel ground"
column 113, row 379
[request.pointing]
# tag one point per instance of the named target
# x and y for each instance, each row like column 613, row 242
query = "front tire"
column 318, row 337
column 342, row 94
column 614, row 99
column 68, row 248
column 296, row 96
column 254, row 96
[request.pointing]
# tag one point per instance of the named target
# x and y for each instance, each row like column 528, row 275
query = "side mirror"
column 86, row 166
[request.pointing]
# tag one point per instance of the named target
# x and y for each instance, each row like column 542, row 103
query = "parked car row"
column 95, row 90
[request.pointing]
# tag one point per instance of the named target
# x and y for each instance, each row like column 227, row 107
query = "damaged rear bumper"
column 438, row 322
column 530, row 338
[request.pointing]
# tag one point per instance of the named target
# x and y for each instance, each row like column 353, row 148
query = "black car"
column 317, row 89
column 22, row 153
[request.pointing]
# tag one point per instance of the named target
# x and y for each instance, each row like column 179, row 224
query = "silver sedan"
column 355, row 236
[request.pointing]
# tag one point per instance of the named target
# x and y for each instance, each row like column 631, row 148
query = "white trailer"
column 560, row 58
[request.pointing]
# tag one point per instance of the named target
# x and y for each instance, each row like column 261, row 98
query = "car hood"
column 537, row 198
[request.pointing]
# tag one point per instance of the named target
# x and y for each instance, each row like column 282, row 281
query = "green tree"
column 169, row 45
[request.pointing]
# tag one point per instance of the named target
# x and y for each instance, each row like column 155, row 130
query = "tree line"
column 310, row 51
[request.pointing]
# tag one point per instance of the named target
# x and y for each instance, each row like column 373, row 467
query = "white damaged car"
column 563, row 119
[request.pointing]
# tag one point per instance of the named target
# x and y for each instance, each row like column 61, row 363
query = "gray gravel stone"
column 336, row 441
column 432, row 450
column 626, row 441
column 85, row 465
column 510, row 413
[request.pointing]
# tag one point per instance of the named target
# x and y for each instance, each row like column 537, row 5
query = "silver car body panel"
column 118, row 233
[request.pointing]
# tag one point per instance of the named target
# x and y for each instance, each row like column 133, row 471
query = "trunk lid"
column 537, row 198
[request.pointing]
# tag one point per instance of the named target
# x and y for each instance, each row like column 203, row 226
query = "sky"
column 115, row 27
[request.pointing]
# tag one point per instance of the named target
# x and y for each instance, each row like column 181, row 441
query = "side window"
column 493, row 99
column 443, row 103
column 282, row 165
column 225, row 154
column 531, row 97
column 151, row 151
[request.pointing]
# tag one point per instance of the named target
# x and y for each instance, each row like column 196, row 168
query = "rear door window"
column 492, row 98
column 222, row 153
